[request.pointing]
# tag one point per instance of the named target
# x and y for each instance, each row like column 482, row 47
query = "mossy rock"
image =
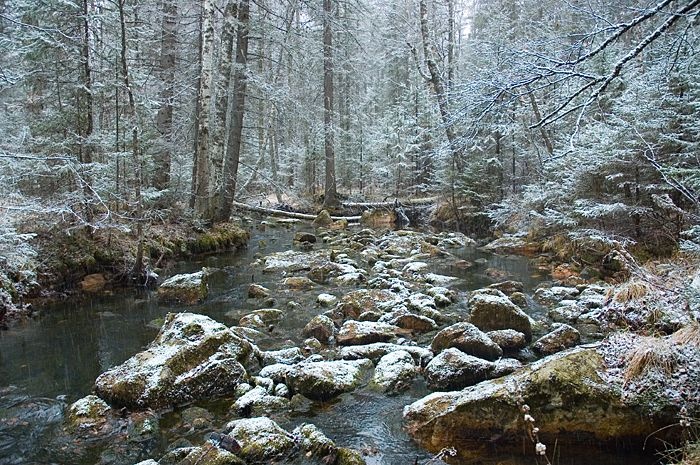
column 567, row 395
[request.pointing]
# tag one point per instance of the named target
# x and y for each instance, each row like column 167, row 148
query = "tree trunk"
column 438, row 86
column 87, row 129
column 164, row 118
column 201, row 178
column 218, row 144
column 138, row 269
column 330, row 199
column 233, row 147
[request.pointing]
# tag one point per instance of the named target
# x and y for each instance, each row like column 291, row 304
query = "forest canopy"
column 576, row 117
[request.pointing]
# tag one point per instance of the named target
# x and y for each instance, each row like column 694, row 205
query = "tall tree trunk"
column 201, row 178
column 87, row 129
column 233, row 147
column 138, row 269
column 437, row 84
column 330, row 199
column 164, row 118
column 223, row 80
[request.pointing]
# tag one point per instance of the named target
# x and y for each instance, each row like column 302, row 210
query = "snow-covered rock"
column 562, row 337
column 184, row 288
column 193, row 357
column 364, row 332
column 452, row 369
column 467, row 338
column 327, row 379
column 492, row 310
column 394, row 372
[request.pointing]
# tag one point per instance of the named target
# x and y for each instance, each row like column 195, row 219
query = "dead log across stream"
column 286, row 214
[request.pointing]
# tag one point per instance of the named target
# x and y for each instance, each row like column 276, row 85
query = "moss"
column 349, row 457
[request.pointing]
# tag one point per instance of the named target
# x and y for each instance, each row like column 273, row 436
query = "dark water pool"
column 53, row 360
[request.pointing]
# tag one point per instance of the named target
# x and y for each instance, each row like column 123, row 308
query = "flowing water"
column 53, row 360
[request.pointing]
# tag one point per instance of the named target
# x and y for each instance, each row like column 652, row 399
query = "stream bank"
column 372, row 275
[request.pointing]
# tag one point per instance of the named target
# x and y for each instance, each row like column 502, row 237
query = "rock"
column 298, row 283
column 349, row 279
column 395, row 371
column 566, row 394
column 257, row 401
column 289, row 261
column 322, row 220
column 453, row 369
column 320, row 327
column 492, row 311
column 276, row 372
column 364, row 332
column 209, row 454
column 256, row 291
column 260, row 439
column 326, row 300
column 508, row 287
column 519, row 299
column 187, row 289
column 410, row 321
column 93, row 283
column 568, row 313
column 193, row 357
column 88, row 412
column 316, row 445
column 302, row 236
column 505, row 366
column 553, row 295
column 339, row 224
column 376, row 351
column 288, row 356
column 563, row 337
column 467, row 338
column 509, row 340
column 509, row 244
column 378, row 218
column 357, row 302
column 325, row 380
column 261, row 319
column 196, row 417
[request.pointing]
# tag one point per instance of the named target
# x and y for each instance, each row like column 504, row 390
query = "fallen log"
column 393, row 203
column 286, row 214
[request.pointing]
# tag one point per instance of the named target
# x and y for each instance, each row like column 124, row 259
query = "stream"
column 53, row 360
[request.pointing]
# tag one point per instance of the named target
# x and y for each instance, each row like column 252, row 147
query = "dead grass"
column 650, row 353
column 689, row 334
column 633, row 289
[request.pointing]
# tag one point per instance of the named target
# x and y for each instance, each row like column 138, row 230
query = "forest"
column 563, row 117
column 140, row 135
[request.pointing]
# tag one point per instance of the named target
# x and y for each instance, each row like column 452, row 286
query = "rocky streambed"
column 357, row 346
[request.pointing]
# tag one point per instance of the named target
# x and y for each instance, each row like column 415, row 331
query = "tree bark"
column 200, row 186
column 438, row 86
column 138, row 269
column 164, row 118
column 233, row 147
column 87, row 130
column 218, row 144
column 330, row 198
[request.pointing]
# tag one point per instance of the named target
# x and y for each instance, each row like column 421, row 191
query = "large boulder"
column 467, row 338
column 492, row 310
column 186, row 289
column 325, row 380
column 364, row 332
column 453, row 369
column 193, row 357
column 569, row 394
